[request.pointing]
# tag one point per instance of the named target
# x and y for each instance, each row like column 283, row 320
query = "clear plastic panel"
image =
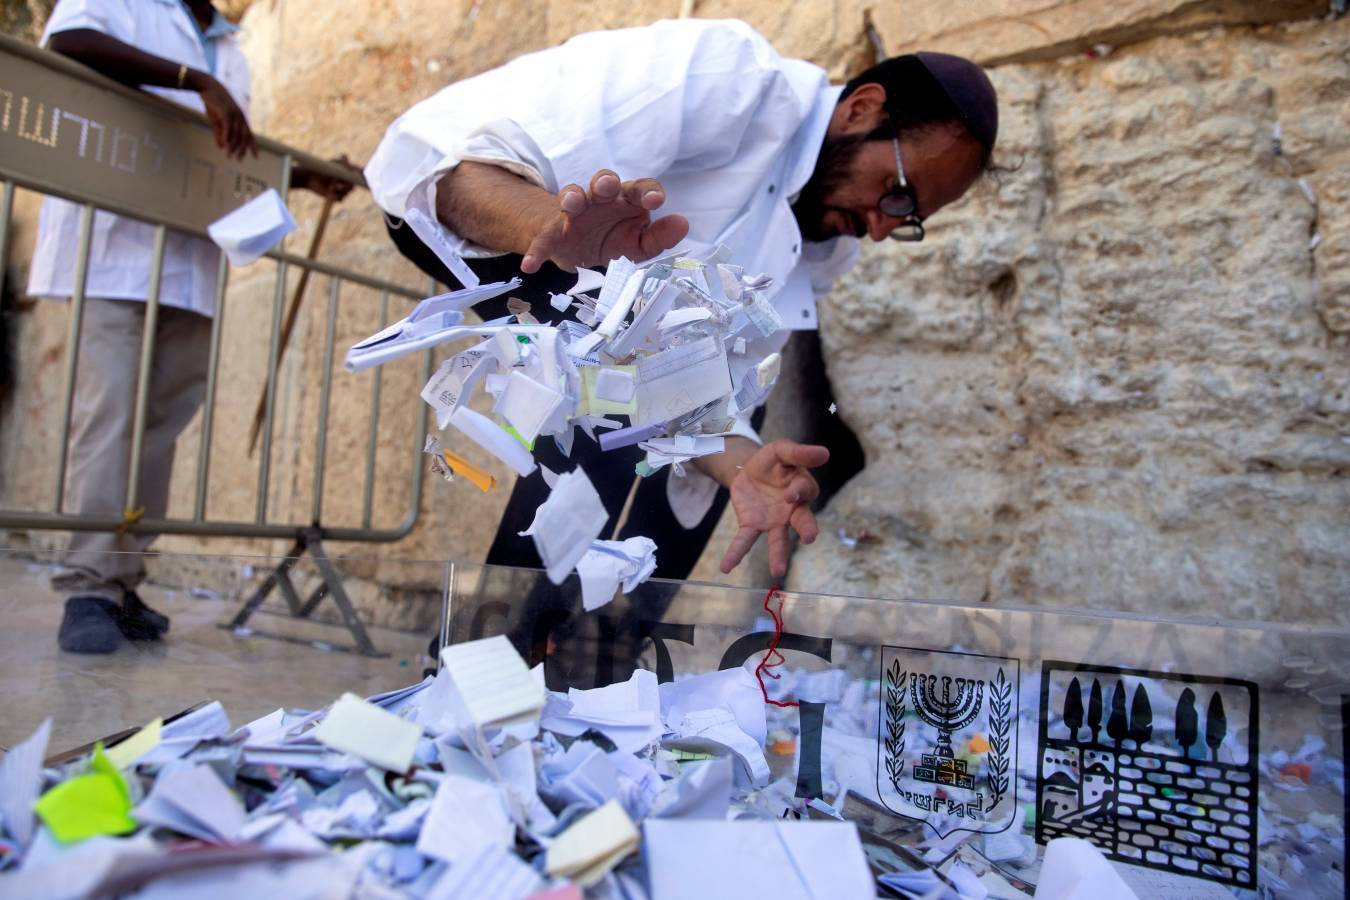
column 1185, row 750
column 273, row 660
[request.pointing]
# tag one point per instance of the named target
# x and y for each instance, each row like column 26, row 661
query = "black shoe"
column 139, row 622
column 89, row 625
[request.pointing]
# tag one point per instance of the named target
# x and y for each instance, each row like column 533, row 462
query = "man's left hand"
column 325, row 186
column 773, row 491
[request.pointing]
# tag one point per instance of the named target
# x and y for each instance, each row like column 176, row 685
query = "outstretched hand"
column 773, row 491
column 610, row 220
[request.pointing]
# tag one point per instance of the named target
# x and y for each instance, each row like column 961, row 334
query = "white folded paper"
column 192, row 800
column 567, row 523
column 1073, row 869
column 433, row 321
column 491, row 682
column 252, row 229
column 363, row 729
column 493, row 438
column 708, row 860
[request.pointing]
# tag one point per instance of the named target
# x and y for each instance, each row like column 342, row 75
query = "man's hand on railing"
column 325, row 186
column 135, row 68
column 227, row 120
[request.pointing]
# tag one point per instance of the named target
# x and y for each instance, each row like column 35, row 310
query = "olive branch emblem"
column 1000, row 723
column 895, row 722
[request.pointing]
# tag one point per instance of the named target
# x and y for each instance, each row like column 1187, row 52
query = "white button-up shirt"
column 120, row 248
column 730, row 128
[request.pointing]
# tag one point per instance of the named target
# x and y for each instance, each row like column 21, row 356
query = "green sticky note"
column 97, row 802
column 529, row 445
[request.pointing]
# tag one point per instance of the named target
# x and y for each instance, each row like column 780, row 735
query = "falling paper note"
column 252, row 229
column 526, row 404
column 494, row 439
column 607, row 564
column 615, row 383
column 484, row 480
column 566, row 523
column 681, row 379
column 492, row 682
column 363, row 729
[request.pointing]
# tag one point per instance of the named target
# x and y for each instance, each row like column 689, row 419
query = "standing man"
column 185, row 51
column 561, row 158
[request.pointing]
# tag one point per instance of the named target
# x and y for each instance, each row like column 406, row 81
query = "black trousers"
column 612, row 473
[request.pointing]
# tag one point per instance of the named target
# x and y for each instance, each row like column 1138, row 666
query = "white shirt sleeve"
column 638, row 101
column 114, row 18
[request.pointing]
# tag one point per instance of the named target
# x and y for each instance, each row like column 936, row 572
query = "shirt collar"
column 806, row 143
column 219, row 27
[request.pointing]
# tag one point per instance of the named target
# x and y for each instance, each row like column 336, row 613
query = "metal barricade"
column 69, row 132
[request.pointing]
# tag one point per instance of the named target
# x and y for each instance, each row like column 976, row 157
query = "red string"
column 772, row 657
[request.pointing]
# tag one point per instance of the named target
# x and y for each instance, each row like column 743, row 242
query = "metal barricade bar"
column 149, row 340
column 209, row 404
column 162, row 167
column 73, row 349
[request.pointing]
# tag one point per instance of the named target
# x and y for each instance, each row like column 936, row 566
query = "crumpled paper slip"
column 608, row 564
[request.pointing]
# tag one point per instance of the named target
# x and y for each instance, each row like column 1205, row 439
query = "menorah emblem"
column 924, row 779
column 947, row 714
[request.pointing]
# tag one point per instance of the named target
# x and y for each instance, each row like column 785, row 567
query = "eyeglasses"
column 900, row 203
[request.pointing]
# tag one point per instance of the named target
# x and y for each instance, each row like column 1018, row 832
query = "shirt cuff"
column 490, row 148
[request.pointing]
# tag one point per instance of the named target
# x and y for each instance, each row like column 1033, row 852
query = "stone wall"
column 1119, row 378
column 1115, row 379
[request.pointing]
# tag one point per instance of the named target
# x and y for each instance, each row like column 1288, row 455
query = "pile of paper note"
column 657, row 355
column 475, row 783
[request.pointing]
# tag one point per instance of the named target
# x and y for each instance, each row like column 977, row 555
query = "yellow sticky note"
column 592, row 845
column 88, row 805
column 125, row 754
column 486, row 481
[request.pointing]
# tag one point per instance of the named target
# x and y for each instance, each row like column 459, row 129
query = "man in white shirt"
column 559, row 159
column 185, row 51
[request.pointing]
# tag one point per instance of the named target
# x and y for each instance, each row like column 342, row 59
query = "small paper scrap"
column 593, row 845
column 252, row 229
column 363, row 729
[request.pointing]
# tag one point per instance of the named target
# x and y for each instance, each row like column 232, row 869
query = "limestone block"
column 1021, row 30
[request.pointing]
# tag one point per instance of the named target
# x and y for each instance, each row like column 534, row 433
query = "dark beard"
column 832, row 170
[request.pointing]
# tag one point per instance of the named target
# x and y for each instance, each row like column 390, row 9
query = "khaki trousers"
column 102, row 420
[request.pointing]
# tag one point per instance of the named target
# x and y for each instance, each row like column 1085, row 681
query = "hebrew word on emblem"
column 946, row 752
